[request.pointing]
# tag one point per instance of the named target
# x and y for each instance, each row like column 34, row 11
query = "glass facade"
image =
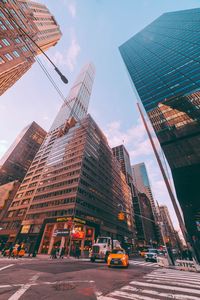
column 163, row 63
column 76, row 104
column 163, row 58
column 141, row 182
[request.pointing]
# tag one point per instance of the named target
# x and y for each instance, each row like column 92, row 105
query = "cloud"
column 69, row 58
column 135, row 139
column 3, row 147
column 72, row 9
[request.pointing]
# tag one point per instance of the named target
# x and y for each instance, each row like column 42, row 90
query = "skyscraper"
column 168, row 228
column 141, row 182
column 122, row 155
column 18, row 158
column 163, row 63
column 7, row 193
column 73, row 178
column 17, row 52
column 144, row 230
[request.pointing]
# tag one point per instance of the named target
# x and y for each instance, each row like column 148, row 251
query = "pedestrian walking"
column 62, row 252
column 77, row 252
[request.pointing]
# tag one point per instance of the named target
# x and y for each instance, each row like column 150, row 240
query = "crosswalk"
column 160, row 284
column 143, row 263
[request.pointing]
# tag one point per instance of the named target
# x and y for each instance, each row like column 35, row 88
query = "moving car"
column 118, row 257
column 151, row 255
column 143, row 251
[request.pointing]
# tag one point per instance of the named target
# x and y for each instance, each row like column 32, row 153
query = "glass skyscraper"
column 141, row 182
column 163, row 61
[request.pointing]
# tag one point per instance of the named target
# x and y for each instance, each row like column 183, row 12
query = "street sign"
column 62, row 232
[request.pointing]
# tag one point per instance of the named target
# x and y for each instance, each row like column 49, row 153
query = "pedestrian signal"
column 121, row 216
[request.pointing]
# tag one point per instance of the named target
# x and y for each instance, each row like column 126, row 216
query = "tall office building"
column 122, row 155
column 168, row 228
column 163, row 63
column 7, row 194
column 145, row 231
column 141, row 182
column 73, row 178
column 17, row 52
column 144, row 220
column 18, row 158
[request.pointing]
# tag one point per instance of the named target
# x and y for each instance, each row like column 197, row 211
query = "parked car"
column 118, row 257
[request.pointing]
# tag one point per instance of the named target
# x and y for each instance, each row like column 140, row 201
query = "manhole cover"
column 63, row 286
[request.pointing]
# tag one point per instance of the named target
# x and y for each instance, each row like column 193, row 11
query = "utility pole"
column 169, row 189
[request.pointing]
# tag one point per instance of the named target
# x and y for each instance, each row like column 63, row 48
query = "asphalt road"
column 39, row 278
column 61, row 279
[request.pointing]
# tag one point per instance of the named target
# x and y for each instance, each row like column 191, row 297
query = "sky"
column 92, row 30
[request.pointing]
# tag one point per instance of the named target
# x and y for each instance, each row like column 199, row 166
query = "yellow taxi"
column 118, row 257
column 143, row 252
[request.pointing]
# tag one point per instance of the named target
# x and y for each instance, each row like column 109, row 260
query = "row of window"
column 54, row 194
column 53, row 203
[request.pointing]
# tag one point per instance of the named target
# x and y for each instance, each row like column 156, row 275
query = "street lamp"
column 63, row 78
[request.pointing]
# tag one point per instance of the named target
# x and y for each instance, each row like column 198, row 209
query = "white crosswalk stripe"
column 143, row 263
column 160, row 284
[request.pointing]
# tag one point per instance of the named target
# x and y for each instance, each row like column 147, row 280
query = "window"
column 24, row 49
column 17, row 41
column 8, row 23
column 2, row 61
column 16, row 54
column 6, row 42
column 8, row 56
column 2, row 26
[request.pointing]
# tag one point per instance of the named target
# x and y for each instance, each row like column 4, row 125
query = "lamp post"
column 23, row 32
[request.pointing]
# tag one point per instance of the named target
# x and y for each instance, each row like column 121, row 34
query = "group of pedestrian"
column 13, row 251
column 75, row 251
column 57, row 253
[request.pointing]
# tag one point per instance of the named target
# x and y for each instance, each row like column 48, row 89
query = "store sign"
column 64, row 219
column 62, row 232
column 79, row 221
column 78, row 235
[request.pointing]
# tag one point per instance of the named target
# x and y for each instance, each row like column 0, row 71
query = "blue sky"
column 92, row 31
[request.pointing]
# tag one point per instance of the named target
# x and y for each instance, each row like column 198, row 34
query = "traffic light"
column 121, row 216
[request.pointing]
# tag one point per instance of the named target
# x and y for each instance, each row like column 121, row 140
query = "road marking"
column 181, row 274
column 166, row 287
column 184, row 278
column 131, row 296
column 24, row 288
column 156, row 293
column 166, row 281
column 8, row 266
column 143, row 263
